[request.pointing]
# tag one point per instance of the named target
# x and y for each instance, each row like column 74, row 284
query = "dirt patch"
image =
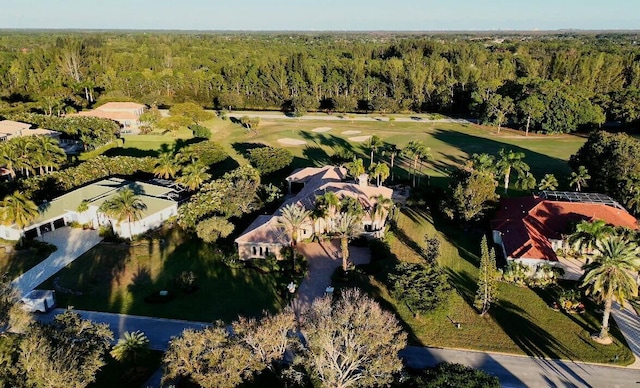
column 292, row 142
column 321, row 129
column 360, row 138
column 351, row 132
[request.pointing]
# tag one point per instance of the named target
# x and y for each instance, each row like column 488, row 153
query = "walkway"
column 417, row 118
column 323, row 259
column 628, row 322
column 524, row 371
column 71, row 243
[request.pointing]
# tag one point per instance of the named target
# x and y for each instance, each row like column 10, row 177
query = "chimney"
column 363, row 180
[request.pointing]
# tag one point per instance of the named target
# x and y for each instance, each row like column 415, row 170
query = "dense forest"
column 549, row 84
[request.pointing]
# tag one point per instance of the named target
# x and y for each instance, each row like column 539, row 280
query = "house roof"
column 119, row 106
column 528, row 224
column 96, row 193
column 118, row 111
column 317, row 180
column 16, row 128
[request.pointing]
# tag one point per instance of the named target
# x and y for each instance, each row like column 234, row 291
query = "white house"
column 127, row 114
column 161, row 202
column 264, row 236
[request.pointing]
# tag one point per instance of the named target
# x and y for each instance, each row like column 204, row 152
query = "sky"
column 319, row 15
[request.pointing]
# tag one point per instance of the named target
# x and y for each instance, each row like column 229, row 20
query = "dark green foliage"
column 200, row 131
column 421, row 287
column 204, row 152
column 449, row 375
column 93, row 131
column 269, row 159
column 431, row 248
column 472, row 195
column 612, row 162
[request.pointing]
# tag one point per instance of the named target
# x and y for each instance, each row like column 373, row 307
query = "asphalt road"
column 513, row 371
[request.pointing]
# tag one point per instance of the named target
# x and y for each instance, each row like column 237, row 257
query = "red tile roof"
column 527, row 223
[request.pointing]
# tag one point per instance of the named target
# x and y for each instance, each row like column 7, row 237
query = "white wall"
column 152, row 221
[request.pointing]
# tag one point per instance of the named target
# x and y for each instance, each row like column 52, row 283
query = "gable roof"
column 527, row 224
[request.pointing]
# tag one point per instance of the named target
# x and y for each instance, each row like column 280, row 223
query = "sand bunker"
column 351, row 132
column 360, row 138
column 322, row 129
column 290, row 141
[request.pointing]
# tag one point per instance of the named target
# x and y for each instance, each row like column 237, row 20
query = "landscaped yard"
column 118, row 278
column 521, row 322
column 17, row 262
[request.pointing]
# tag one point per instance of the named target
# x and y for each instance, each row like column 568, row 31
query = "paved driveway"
column 323, row 259
column 628, row 322
column 71, row 243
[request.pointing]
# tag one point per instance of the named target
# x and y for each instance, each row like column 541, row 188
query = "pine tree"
column 487, row 280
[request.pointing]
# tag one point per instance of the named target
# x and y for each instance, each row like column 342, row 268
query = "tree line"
column 554, row 83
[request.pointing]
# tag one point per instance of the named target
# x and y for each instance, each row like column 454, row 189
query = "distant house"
column 13, row 129
column 264, row 236
column 531, row 230
column 161, row 204
column 127, row 114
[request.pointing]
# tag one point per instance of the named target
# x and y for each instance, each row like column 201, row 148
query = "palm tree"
column 346, row 226
column 374, row 144
column 549, row 182
column 526, row 181
column 392, row 151
column 193, row 176
column 125, row 206
column 579, row 179
column 417, row 152
column 511, row 161
column 49, row 148
column 9, row 157
column 166, row 166
column 381, row 206
column 380, row 172
column 131, row 347
column 587, row 234
column 320, row 211
column 293, row 217
column 355, row 168
column 18, row 210
column 611, row 276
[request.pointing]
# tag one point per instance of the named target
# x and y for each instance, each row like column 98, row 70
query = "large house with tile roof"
column 532, row 229
column 127, row 114
column 161, row 203
column 10, row 129
column 264, row 236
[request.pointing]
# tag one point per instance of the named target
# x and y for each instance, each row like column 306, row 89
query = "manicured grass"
column 17, row 262
column 451, row 143
column 118, row 277
column 520, row 323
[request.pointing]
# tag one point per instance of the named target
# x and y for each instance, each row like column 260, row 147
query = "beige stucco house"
column 127, row 114
column 264, row 236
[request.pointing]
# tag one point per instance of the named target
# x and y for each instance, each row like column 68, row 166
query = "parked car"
column 40, row 301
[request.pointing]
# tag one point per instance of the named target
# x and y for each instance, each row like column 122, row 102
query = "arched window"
column 266, row 251
column 260, row 251
column 254, row 250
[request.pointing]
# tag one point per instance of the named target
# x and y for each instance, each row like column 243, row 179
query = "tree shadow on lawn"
column 470, row 144
column 131, row 151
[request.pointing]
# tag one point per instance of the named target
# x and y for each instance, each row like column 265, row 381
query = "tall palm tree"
column 166, row 166
column 417, row 152
column 587, row 234
column 17, row 209
column 355, row 168
column 346, row 226
column 374, row 144
column 611, row 275
column 391, row 150
column 511, row 161
column 50, row 149
column 193, row 176
column 293, row 218
column 320, row 211
column 380, row 172
column 526, row 181
column 9, row 157
column 124, row 206
column 579, row 178
column 549, row 182
column 381, row 206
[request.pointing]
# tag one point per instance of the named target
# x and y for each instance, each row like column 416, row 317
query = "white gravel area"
column 360, row 138
column 321, row 129
column 292, row 142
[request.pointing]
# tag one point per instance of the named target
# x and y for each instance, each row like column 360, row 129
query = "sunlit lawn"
column 521, row 322
column 117, row 278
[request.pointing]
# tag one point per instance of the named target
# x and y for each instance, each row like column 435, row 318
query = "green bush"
column 200, row 131
column 205, row 152
column 421, row 287
column 269, row 159
column 452, row 375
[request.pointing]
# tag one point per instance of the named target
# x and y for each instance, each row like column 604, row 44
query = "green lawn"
column 118, row 277
column 17, row 262
column 451, row 144
column 521, row 322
